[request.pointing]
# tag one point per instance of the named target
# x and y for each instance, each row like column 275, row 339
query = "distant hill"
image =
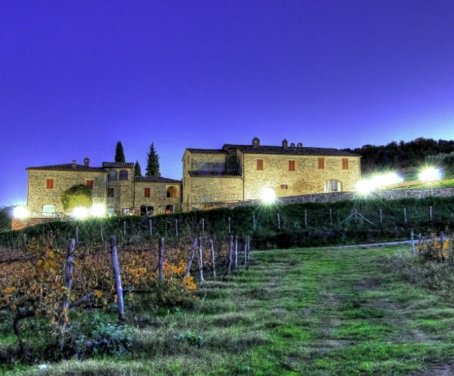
column 406, row 155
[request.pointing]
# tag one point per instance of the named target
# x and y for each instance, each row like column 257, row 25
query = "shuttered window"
column 321, row 163
column 291, row 165
column 259, row 164
column 344, row 163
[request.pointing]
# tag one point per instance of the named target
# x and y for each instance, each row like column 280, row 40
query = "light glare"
column 21, row 212
column 98, row 210
column 268, row 196
column 80, row 212
column 429, row 174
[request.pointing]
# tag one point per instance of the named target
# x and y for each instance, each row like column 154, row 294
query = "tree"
column 5, row 219
column 137, row 169
column 153, row 162
column 119, row 153
column 77, row 195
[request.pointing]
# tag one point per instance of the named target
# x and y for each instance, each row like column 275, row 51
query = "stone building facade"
column 113, row 185
column 241, row 172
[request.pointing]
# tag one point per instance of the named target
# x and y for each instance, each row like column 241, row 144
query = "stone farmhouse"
column 238, row 173
column 113, row 185
column 211, row 178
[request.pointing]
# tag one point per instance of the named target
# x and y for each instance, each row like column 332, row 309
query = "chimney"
column 87, row 162
column 284, row 143
column 255, row 142
column 74, row 163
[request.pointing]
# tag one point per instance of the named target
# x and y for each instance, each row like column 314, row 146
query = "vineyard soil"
column 319, row 311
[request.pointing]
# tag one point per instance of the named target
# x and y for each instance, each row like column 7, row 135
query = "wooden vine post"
column 68, row 280
column 117, row 277
column 200, row 262
column 161, row 261
column 213, row 258
column 191, row 257
column 230, row 254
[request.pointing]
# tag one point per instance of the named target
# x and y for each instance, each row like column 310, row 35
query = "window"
column 90, row 184
column 291, row 165
column 113, row 175
column 333, row 185
column 146, row 210
column 259, row 164
column 110, row 192
column 169, row 209
column 123, row 175
column 284, row 186
column 50, row 184
column 321, row 163
column 146, row 192
column 172, row 192
column 49, row 210
column 344, row 163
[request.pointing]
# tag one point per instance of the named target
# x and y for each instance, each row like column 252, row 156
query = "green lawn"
column 294, row 312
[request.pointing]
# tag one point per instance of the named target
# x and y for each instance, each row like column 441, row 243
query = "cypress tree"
column 137, row 169
column 152, row 163
column 119, row 153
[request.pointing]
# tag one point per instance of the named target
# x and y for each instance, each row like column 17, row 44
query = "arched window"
column 123, row 175
column 172, row 192
column 333, row 185
column 113, row 175
column 169, row 209
column 146, row 210
column 49, row 210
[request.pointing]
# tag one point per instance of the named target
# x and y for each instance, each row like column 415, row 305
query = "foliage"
column 119, row 153
column 5, row 219
column 152, row 162
column 137, row 169
column 438, row 248
column 77, row 195
column 402, row 154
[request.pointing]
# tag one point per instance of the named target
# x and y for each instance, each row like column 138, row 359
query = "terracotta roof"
column 117, row 165
column 212, row 174
column 249, row 149
column 155, row 179
column 206, row 151
column 68, row 167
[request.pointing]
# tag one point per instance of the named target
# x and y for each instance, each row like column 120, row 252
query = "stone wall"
column 158, row 196
column 205, row 190
column 39, row 194
column 306, row 179
column 395, row 194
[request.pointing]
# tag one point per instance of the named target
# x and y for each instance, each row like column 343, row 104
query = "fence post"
column 253, row 222
column 230, row 254
column 200, row 262
column 412, row 237
column 117, row 276
column 405, row 215
column 77, row 234
column 150, row 227
column 68, row 286
column 331, row 216
column 161, row 261
column 430, row 213
column 213, row 259
column 124, row 231
column 102, row 234
column 176, row 226
column 236, row 252
column 229, row 227
column 305, row 217
column 442, row 239
column 191, row 258
column 278, row 221
column 203, row 226
column 381, row 216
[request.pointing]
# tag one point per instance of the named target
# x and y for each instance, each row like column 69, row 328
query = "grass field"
column 294, row 312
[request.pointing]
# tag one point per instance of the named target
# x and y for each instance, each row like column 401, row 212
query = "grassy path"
column 295, row 312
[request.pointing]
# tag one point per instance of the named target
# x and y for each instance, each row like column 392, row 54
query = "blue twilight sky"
column 77, row 76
